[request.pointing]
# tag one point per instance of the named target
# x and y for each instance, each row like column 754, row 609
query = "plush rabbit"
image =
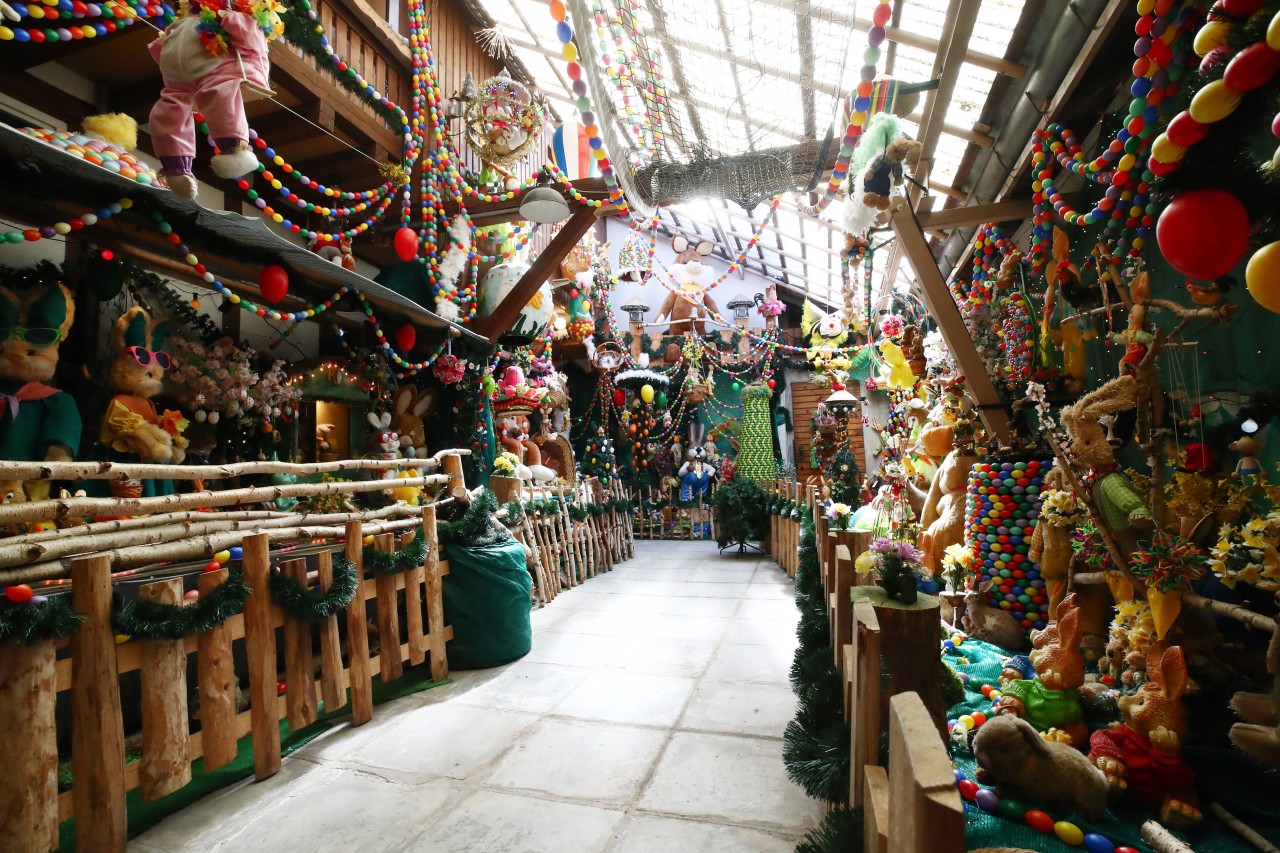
column 1123, row 509
column 1259, row 734
column 204, row 57
column 132, row 429
column 1022, row 765
column 1142, row 759
column 385, row 439
column 37, row 422
column 1052, row 699
column 690, row 304
column 411, row 406
column 989, row 623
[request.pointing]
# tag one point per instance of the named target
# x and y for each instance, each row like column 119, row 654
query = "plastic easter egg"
column 1273, row 33
column 646, row 393
column 273, row 281
column 212, row 566
column 1039, row 821
column 968, row 789
column 1095, row 843
column 1203, row 233
column 987, row 800
column 191, row 595
column 1214, row 102
column 1068, row 833
column 406, row 244
column 222, row 556
column 237, row 553
column 406, row 337
column 1011, row 810
column 19, row 593
column 1262, row 277
column 1251, row 67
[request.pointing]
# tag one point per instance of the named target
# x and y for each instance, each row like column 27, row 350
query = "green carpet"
column 1222, row 775
column 143, row 816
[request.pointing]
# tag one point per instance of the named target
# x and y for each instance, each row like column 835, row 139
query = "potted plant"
column 895, row 565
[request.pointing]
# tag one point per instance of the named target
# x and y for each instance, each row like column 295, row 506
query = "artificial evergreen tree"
column 596, row 458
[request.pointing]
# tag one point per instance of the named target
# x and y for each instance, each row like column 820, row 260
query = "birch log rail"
column 64, row 508
column 78, row 471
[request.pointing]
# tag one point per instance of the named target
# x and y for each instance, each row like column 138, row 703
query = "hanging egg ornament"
column 273, row 282
column 619, row 396
column 1262, row 277
column 646, row 393
column 406, row 244
column 406, row 337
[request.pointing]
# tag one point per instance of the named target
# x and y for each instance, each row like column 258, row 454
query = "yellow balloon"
column 1211, row 35
column 1273, row 33
column 1165, row 151
column 1214, row 102
column 646, row 393
column 1262, row 276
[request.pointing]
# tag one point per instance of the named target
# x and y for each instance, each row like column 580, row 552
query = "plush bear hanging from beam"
column 689, row 304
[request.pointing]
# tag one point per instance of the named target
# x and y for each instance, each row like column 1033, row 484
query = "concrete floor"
column 647, row 719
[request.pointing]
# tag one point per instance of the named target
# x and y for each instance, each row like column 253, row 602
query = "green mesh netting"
column 1222, row 775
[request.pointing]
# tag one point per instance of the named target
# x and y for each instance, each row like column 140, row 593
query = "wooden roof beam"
column 962, row 15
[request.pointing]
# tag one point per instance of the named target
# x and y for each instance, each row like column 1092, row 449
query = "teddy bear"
column 687, row 306
column 205, row 56
column 132, row 429
column 942, row 516
column 334, row 251
column 1021, row 764
column 1142, row 759
column 411, row 406
column 37, row 422
column 886, row 171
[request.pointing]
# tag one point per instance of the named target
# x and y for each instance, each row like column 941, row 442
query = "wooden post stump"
column 260, row 651
column 333, row 687
column 97, row 730
column 928, row 815
column 164, row 767
column 217, row 684
column 29, row 781
column 909, row 646
column 359, row 671
column 434, row 572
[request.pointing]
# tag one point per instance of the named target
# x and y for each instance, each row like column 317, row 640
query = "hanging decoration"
column 150, row 620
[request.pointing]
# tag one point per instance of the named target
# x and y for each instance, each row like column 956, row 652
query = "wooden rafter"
column 942, row 307
column 957, row 29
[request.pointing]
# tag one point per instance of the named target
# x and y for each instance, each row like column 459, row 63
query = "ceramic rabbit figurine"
column 1052, row 699
column 37, row 422
column 1021, row 764
column 1142, row 758
column 990, row 623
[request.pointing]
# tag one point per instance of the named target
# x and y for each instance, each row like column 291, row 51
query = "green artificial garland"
column 840, row 830
column 394, row 562
column 35, row 621
column 298, row 601
column 515, row 511
column 477, row 527
column 150, row 620
column 815, row 746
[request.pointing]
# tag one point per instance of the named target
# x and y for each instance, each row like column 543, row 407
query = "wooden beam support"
column 942, row 307
column 962, row 15
column 504, row 314
column 978, row 214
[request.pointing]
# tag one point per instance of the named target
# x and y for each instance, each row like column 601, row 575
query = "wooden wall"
column 805, row 397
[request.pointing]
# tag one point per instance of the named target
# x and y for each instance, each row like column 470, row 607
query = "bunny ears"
column 681, row 245
column 379, row 421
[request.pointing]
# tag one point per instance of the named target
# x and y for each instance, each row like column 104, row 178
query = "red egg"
column 406, row 337
column 273, row 281
column 406, row 244
column 19, row 593
column 212, row 566
column 1039, row 821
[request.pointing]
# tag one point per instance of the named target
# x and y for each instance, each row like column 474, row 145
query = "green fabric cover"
column 487, row 601
column 40, row 424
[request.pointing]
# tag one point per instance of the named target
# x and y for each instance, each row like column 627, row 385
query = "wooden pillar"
column 909, row 644
column 453, row 469
column 97, row 730
column 434, row 571
column 928, row 816
column 390, row 666
column 217, row 684
column 414, row 577
column 333, row 688
column 299, row 660
column 29, row 780
column 164, row 767
column 358, row 669
column 260, row 651
column 864, row 717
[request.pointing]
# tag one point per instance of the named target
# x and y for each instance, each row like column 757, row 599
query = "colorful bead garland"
column 1001, row 510
column 114, row 14
column 57, row 229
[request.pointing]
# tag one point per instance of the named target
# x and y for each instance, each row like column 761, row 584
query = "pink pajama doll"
column 204, row 57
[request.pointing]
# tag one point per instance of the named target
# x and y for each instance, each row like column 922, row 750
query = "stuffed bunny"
column 132, row 429
column 204, row 57
column 1062, row 279
column 1259, row 734
column 37, row 422
column 1021, row 764
column 411, row 406
column 385, row 439
column 1142, row 759
column 1052, row 699
column 691, row 299
column 1124, row 511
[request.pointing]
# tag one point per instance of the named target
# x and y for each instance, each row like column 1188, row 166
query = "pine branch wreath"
column 150, row 620
column 477, row 527
column 394, row 562
column 298, row 601
column 35, row 621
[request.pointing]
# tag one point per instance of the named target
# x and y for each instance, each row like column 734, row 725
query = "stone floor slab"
column 492, row 822
column 642, row 833
column 628, row 697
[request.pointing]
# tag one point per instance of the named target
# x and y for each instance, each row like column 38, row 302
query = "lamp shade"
column 544, row 205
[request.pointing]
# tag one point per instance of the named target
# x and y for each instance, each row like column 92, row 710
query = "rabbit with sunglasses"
column 37, row 422
column 132, row 428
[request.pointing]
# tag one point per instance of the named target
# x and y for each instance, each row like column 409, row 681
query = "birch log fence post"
column 217, row 683
column 333, row 688
column 358, row 668
column 390, row 665
column 260, row 652
column 164, row 766
column 299, row 660
column 97, row 729
column 29, row 778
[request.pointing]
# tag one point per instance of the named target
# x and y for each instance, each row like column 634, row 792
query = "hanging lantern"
column 406, row 337
column 273, row 281
column 406, row 243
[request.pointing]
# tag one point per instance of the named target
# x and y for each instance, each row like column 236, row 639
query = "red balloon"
column 619, row 396
column 273, row 281
column 1185, row 131
column 1251, row 67
column 406, row 243
column 406, row 337
column 1203, row 234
